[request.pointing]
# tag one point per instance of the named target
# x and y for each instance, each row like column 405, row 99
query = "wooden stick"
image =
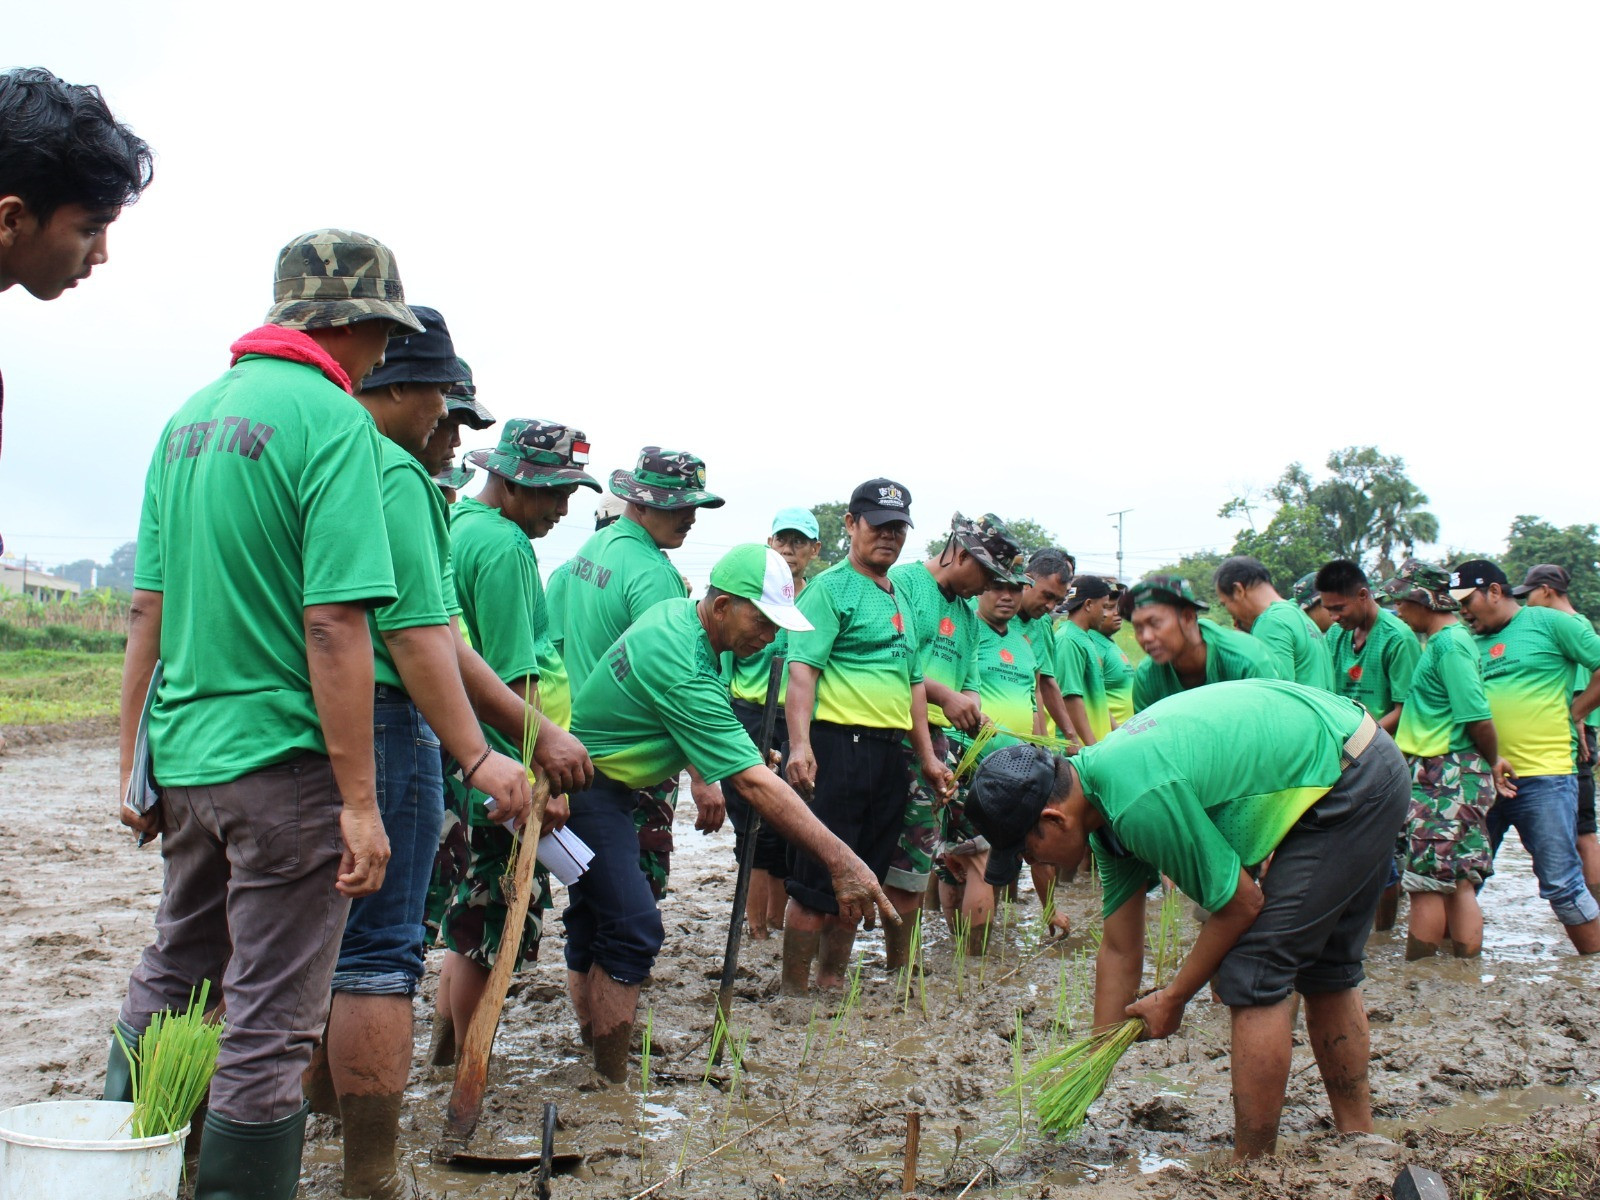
column 472, row 1068
column 908, row 1174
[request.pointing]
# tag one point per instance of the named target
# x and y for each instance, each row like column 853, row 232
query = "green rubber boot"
column 246, row 1161
column 119, row 1070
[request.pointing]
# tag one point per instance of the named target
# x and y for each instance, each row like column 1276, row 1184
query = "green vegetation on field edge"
column 52, row 687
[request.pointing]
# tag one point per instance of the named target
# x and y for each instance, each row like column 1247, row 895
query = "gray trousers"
column 249, row 902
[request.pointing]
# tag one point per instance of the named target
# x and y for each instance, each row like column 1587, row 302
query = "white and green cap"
column 757, row 574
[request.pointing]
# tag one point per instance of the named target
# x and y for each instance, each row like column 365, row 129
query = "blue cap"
column 802, row 520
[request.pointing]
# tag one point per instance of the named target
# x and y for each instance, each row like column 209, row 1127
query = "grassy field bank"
column 56, row 687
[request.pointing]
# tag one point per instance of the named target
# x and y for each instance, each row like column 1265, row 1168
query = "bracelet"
column 482, row 758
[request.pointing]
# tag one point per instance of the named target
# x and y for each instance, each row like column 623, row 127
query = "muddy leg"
column 1262, row 1046
column 1585, row 937
column 1426, row 926
column 1388, row 908
column 467, row 983
column 317, row 1082
column 977, row 904
column 1465, row 921
column 442, row 1045
column 1337, row 1025
column 757, row 904
column 1589, row 854
column 578, row 991
column 612, row 1007
column 802, row 936
column 897, row 938
column 369, row 1054
column 838, row 939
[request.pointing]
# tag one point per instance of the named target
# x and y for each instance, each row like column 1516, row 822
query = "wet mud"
column 810, row 1100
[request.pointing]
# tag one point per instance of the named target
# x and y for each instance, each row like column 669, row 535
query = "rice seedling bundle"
column 172, row 1067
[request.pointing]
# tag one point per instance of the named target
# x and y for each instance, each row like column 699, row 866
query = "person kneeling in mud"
column 1199, row 787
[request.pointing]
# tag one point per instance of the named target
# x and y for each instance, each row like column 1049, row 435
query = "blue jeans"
column 613, row 920
column 1545, row 814
column 381, row 954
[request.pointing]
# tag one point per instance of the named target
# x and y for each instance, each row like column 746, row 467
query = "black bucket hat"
column 426, row 357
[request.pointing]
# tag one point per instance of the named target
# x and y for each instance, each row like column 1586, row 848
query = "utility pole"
column 1119, row 514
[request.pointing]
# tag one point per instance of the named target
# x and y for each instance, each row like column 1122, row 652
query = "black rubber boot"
column 119, row 1070
column 247, row 1161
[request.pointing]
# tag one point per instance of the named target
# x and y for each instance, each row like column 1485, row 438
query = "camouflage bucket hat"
column 1424, row 583
column 455, row 478
column 1166, row 589
column 989, row 541
column 1304, row 592
column 665, row 479
column 463, row 398
column 332, row 277
column 538, row 454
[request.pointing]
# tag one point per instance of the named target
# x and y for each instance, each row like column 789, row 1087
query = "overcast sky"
column 1047, row 260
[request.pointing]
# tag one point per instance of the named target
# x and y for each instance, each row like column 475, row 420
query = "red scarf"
column 296, row 345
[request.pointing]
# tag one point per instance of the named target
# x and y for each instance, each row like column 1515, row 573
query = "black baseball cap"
column 1008, row 793
column 879, row 501
column 1544, row 575
column 1085, row 588
column 1473, row 574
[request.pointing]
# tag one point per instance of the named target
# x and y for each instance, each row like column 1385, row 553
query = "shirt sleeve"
column 340, row 491
column 418, row 570
column 1400, row 664
column 1170, row 829
column 148, row 574
column 908, row 618
column 1072, row 665
column 1144, row 692
column 1577, row 640
column 814, row 646
column 1278, row 642
column 1463, row 683
column 646, row 589
column 697, row 715
column 1122, row 876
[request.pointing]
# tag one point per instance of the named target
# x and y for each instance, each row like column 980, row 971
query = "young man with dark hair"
column 1546, row 586
column 1372, row 651
column 1293, row 640
column 67, row 169
column 1448, row 737
column 1049, row 573
column 461, row 408
column 855, row 692
column 1079, row 673
column 659, row 702
column 1530, row 657
column 1201, row 787
column 1184, row 650
column 261, row 738
column 1114, row 664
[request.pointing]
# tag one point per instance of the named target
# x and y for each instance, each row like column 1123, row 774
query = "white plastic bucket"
column 77, row 1149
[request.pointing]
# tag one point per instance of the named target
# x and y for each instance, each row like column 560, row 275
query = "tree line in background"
column 116, row 574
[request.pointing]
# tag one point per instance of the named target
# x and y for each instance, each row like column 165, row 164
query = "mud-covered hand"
column 709, row 806
column 1161, row 1011
column 856, row 889
column 366, row 851
column 556, row 814
column 563, row 760
column 802, row 770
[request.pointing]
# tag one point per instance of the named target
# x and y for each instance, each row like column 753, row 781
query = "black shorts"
column 1312, row 931
column 1586, row 821
column 860, row 796
column 772, row 852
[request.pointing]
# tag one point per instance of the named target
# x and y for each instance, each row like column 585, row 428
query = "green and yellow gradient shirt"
column 864, row 644
column 1007, row 684
column 1379, row 674
column 1079, row 673
column 1211, row 780
column 1229, row 655
column 658, row 702
column 1446, row 695
column 947, row 633
column 1295, row 643
column 1041, row 633
column 418, row 523
column 275, row 440
column 1529, row 665
column 750, row 676
column 1118, row 674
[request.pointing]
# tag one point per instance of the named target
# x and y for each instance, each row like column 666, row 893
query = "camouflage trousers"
column 653, row 808
column 957, row 835
column 919, row 836
column 1446, row 835
column 467, row 908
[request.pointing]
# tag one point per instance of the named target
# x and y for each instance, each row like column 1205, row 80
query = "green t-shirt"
column 617, row 576
column 751, row 675
column 1580, row 678
column 1041, row 633
column 1118, row 674
column 254, row 491
column 1079, row 673
column 1446, row 694
column 1007, row 684
column 1210, row 780
column 555, row 602
column 555, row 689
column 864, row 644
column 418, row 523
column 658, row 702
column 1229, row 655
column 1379, row 676
column 947, row 633
column 1295, row 643
column 1528, row 669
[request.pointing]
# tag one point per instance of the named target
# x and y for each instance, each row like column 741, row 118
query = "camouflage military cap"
column 455, row 478
column 462, row 397
column 1166, row 589
column 989, row 541
column 1424, row 583
column 332, row 277
column 1304, row 592
column 665, row 479
column 538, row 454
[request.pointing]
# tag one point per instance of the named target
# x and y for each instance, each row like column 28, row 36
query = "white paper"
column 142, row 795
column 565, row 856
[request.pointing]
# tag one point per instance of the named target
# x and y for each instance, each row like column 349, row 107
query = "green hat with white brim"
column 757, row 574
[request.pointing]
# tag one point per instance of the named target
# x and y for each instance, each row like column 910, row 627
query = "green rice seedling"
column 1167, row 936
column 1061, row 1017
column 983, row 953
column 963, row 931
column 1016, row 1074
column 736, row 1048
column 644, row 1085
column 912, row 963
column 968, row 762
column 811, row 1026
column 719, row 1034
column 1079, row 1073
column 172, row 1066
column 852, row 997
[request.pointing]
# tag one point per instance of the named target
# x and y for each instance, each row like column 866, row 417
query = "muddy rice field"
column 1486, row 1071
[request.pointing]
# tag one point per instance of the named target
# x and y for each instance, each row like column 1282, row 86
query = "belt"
column 385, row 694
column 1358, row 741
column 871, row 733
